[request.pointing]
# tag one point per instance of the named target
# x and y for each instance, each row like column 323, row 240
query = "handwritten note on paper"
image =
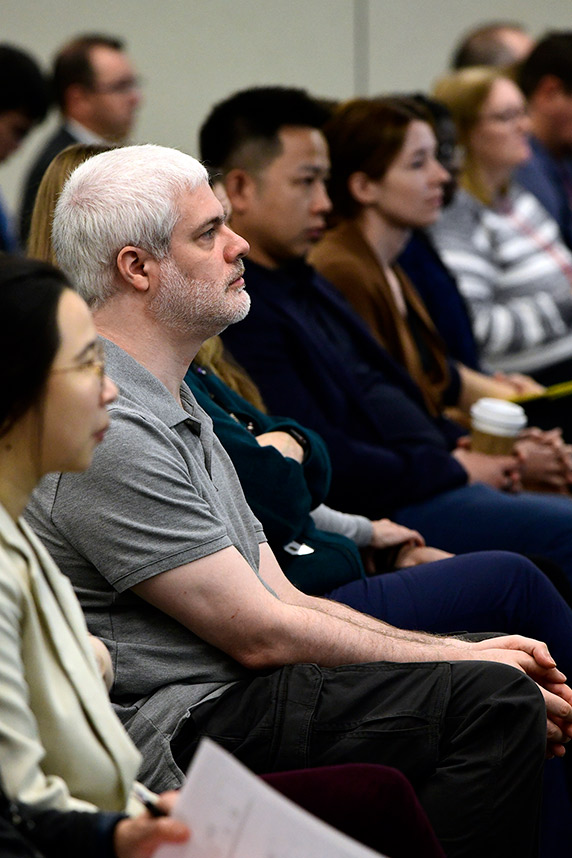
column 233, row 814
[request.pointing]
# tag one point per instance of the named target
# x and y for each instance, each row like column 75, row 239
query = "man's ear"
column 135, row 267
column 240, row 186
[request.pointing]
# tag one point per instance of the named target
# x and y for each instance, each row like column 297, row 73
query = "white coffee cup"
column 495, row 424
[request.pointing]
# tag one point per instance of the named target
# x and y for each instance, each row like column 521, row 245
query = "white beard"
column 187, row 305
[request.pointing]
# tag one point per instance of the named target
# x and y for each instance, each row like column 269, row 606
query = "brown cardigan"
column 345, row 258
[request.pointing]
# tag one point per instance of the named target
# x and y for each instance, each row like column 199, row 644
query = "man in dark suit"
column 23, row 103
column 97, row 92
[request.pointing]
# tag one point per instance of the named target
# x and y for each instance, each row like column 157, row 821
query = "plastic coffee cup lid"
column 498, row 417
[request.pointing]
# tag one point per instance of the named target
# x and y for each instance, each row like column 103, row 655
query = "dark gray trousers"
column 470, row 736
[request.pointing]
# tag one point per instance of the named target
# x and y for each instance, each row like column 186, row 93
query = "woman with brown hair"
column 385, row 181
column 512, row 267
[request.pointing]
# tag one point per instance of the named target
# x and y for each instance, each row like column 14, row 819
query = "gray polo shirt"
column 161, row 492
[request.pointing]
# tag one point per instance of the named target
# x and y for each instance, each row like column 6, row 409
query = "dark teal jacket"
column 280, row 492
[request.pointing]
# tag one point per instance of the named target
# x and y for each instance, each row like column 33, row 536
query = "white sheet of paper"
column 234, row 814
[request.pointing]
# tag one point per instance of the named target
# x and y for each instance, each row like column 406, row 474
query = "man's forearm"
column 364, row 621
column 331, row 634
column 312, row 628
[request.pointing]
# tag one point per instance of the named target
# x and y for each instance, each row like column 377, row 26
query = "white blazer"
column 61, row 744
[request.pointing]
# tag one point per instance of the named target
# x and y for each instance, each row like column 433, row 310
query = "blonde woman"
column 511, row 265
column 40, row 239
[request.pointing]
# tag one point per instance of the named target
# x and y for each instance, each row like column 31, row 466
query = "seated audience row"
column 189, row 568
column 265, row 454
column 202, row 585
column 315, row 360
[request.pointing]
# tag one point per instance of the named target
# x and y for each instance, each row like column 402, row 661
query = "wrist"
column 403, row 555
column 453, row 648
column 300, row 439
column 106, row 833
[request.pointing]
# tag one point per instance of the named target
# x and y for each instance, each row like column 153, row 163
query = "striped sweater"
column 516, row 276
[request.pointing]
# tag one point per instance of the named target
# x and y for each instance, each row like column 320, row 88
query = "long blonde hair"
column 55, row 177
column 212, row 355
column 464, row 92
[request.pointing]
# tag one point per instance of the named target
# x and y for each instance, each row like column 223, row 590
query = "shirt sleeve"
column 358, row 528
column 150, row 512
column 283, row 514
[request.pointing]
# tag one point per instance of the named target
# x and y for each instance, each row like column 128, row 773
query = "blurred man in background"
column 497, row 43
column 98, row 94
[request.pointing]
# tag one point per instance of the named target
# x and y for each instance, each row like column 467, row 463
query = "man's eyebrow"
column 316, row 169
column 219, row 220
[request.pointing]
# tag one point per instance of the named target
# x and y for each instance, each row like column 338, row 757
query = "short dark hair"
column 482, row 46
column 72, row 64
column 255, row 116
column 23, row 85
column 29, row 336
column 552, row 55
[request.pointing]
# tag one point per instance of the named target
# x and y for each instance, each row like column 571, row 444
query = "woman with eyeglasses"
column 512, row 267
column 61, row 745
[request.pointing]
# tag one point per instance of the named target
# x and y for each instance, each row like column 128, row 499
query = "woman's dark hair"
column 365, row 135
column 29, row 337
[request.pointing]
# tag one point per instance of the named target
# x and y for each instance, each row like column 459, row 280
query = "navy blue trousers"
column 480, row 518
column 486, row 591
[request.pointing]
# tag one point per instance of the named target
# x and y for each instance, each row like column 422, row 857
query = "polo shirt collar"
column 138, row 385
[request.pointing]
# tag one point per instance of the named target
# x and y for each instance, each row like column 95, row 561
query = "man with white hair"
column 206, row 634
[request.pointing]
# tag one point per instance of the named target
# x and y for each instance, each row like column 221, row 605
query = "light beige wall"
column 411, row 41
column 195, row 52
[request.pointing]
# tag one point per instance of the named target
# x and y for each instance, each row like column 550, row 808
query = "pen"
column 148, row 799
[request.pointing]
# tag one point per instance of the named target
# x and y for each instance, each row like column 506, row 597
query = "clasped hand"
column 545, row 460
column 534, row 659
